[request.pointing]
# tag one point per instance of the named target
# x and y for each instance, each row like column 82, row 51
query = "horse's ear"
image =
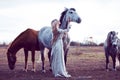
column 65, row 8
column 111, row 32
column 73, row 9
column 117, row 33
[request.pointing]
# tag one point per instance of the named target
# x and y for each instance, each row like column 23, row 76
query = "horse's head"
column 113, row 39
column 11, row 60
column 69, row 14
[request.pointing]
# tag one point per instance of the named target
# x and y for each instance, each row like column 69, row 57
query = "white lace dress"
column 57, row 57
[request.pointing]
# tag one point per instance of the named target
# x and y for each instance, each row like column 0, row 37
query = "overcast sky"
column 98, row 17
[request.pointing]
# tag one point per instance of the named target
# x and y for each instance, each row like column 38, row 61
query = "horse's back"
column 30, row 35
column 45, row 36
column 27, row 39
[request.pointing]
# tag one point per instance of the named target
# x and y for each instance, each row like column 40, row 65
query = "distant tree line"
column 74, row 43
column 3, row 44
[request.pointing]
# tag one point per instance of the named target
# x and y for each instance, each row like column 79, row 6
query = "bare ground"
column 84, row 63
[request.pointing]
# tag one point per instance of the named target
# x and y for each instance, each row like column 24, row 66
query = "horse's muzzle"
column 114, row 46
column 79, row 20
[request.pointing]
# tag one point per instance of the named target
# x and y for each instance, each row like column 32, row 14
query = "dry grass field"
column 84, row 63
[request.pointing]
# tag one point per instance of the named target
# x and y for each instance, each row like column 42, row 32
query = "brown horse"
column 27, row 40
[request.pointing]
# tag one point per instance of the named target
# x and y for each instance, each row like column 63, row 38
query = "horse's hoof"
column 25, row 70
column 38, row 61
column 114, row 69
column 43, row 71
column 107, row 70
column 50, row 70
column 33, row 70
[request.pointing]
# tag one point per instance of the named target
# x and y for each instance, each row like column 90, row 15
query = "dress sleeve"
column 65, row 30
column 62, row 31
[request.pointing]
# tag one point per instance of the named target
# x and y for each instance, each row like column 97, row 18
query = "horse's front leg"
column 65, row 55
column 118, row 58
column 26, row 59
column 49, row 57
column 33, row 60
column 114, row 62
column 107, row 58
column 43, row 60
column 107, row 61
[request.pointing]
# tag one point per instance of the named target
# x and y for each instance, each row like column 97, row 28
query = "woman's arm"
column 64, row 30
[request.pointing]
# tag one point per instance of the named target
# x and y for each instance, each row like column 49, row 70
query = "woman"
column 57, row 53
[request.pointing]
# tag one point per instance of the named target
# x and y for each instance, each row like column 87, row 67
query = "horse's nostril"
column 11, row 67
column 79, row 20
column 114, row 45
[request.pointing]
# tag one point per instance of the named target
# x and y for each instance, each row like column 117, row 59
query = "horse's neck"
column 14, row 48
column 108, row 44
column 108, row 40
column 118, row 43
column 64, row 23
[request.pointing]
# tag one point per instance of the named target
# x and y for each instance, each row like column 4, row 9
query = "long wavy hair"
column 54, row 30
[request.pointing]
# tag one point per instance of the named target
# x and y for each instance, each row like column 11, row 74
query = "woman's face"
column 57, row 24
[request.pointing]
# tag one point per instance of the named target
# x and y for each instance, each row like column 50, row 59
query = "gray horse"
column 45, row 33
column 112, row 48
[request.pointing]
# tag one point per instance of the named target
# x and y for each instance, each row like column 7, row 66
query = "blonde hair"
column 54, row 30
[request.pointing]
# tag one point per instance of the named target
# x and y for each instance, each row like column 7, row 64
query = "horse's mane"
column 63, row 14
column 108, row 37
column 15, row 41
column 19, row 40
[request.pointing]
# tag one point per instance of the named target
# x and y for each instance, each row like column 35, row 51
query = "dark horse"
column 27, row 40
column 112, row 47
column 37, row 40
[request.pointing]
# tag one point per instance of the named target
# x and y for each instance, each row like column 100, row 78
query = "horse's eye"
column 71, row 12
